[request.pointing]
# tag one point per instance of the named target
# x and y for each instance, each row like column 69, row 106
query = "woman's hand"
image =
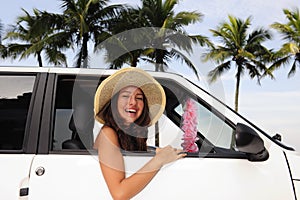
column 168, row 154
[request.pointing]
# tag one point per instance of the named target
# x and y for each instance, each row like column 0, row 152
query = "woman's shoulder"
column 108, row 130
column 107, row 133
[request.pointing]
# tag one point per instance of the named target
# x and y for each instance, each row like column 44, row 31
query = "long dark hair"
column 131, row 137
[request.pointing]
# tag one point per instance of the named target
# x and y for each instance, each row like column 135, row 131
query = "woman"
column 127, row 103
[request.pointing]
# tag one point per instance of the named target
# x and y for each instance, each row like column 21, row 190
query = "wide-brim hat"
column 131, row 76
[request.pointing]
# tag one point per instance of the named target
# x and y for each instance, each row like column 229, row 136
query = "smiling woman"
column 127, row 103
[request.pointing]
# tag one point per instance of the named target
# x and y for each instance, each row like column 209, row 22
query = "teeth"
column 130, row 110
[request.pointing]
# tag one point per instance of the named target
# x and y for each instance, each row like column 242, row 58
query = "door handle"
column 40, row 171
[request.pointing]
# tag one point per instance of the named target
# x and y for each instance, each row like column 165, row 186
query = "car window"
column 73, row 113
column 212, row 127
column 15, row 96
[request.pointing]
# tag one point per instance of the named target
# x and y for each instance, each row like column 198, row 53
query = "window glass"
column 15, row 95
column 74, row 117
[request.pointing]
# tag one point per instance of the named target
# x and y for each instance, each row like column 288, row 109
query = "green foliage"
column 240, row 48
column 85, row 21
column 163, row 37
column 33, row 34
column 290, row 50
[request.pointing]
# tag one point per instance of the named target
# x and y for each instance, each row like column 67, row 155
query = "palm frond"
column 180, row 56
column 293, row 68
column 218, row 71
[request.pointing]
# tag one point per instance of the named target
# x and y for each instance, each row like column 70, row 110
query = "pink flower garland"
column 189, row 126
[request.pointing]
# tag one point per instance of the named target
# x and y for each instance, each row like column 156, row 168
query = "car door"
column 67, row 167
column 20, row 109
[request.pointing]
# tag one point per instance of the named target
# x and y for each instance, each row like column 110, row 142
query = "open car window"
column 215, row 133
column 209, row 125
column 75, row 128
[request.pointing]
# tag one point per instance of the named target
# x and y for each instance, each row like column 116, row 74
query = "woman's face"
column 130, row 103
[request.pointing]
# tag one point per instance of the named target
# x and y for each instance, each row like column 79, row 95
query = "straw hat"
column 131, row 76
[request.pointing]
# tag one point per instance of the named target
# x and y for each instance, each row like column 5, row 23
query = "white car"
column 47, row 132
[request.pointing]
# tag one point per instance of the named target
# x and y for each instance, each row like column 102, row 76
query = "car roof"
column 71, row 70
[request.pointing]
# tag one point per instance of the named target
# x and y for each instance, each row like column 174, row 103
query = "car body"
column 47, row 130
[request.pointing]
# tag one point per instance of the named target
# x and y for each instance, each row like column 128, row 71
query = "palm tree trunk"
column 39, row 57
column 159, row 60
column 237, row 90
column 85, row 40
column 134, row 61
column 156, row 67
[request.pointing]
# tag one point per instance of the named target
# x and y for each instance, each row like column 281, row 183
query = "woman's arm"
column 113, row 170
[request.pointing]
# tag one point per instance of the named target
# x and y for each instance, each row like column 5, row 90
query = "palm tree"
column 86, row 20
column 156, row 33
column 33, row 34
column 127, row 40
column 170, row 33
column 291, row 49
column 243, row 49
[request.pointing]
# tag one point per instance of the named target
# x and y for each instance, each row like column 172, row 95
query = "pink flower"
column 189, row 126
column 190, row 146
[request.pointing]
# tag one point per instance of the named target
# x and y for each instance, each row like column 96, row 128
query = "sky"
column 274, row 105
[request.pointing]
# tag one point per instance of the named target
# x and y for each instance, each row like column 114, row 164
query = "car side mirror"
column 249, row 142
